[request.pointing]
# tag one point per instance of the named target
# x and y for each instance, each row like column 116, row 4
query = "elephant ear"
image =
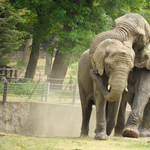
column 140, row 31
column 128, row 44
column 142, row 57
column 99, row 55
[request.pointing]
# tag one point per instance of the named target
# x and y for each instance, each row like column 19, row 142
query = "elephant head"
column 117, row 60
column 142, row 57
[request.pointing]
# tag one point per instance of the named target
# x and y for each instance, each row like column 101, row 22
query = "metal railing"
column 41, row 90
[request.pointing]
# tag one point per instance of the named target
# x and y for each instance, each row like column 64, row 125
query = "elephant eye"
column 109, row 67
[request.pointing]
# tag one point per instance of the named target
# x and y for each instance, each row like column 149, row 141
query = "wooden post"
column 11, row 72
column 15, row 74
column 47, row 91
column 74, row 94
column 5, row 73
column 5, row 91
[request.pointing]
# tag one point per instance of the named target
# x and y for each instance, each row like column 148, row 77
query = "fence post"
column 47, row 91
column 5, row 91
column 74, row 94
column 43, row 89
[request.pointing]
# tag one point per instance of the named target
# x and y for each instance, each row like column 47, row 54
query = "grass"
column 17, row 142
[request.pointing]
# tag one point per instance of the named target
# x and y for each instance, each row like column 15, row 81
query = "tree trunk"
column 33, row 60
column 48, row 64
column 26, row 52
column 59, row 70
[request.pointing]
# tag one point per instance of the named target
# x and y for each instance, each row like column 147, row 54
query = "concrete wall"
column 43, row 119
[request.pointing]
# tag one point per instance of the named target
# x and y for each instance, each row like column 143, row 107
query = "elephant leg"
column 100, row 116
column 112, row 115
column 86, row 105
column 135, row 117
column 86, row 114
column 121, row 116
column 127, row 96
column 144, row 129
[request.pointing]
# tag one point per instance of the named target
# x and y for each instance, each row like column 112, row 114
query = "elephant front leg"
column 144, row 129
column 135, row 117
column 100, row 117
column 127, row 96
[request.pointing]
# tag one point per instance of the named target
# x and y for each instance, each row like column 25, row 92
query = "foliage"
column 73, row 23
column 45, row 17
column 84, row 19
column 146, row 11
column 10, row 37
column 74, row 69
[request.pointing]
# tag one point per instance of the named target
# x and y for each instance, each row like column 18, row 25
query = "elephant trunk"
column 117, row 87
column 115, row 93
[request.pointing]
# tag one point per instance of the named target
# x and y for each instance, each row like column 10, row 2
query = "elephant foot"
column 84, row 133
column 84, row 136
column 109, row 131
column 118, row 134
column 101, row 136
column 130, row 131
column 144, row 132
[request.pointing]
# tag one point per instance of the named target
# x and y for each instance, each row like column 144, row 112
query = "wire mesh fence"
column 39, row 90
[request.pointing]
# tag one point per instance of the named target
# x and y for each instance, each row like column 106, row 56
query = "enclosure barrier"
column 41, row 90
column 8, row 72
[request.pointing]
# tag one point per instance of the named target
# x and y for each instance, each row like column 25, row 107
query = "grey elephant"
column 111, row 57
column 91, row 92
column 138, row 123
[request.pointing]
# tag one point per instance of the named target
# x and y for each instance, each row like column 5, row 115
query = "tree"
column 77, row 33
column 26, row 52
column 75, row 23
column 45, row 17
column 84, row 19
column 10, row 37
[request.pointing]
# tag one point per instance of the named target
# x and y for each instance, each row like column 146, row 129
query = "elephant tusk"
column 126, row 89
column 108, row 87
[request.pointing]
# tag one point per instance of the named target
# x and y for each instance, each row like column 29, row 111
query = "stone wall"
column 43, row 119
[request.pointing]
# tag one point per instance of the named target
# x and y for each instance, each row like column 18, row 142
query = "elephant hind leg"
column 86, row 114
column 86, row 103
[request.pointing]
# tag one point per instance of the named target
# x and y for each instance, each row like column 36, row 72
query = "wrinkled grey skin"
column 91, row 92
column 134, row 33
column 138, row 123
column 138, row 98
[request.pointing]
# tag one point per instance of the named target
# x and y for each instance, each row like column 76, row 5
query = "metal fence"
column 39, row 90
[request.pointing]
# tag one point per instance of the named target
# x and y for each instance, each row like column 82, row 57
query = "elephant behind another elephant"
column 138, row 123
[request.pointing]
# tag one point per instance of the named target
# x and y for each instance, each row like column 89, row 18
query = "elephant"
column 138, row 123
column 111, row 58
column 131, row 29
column 119, row 62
